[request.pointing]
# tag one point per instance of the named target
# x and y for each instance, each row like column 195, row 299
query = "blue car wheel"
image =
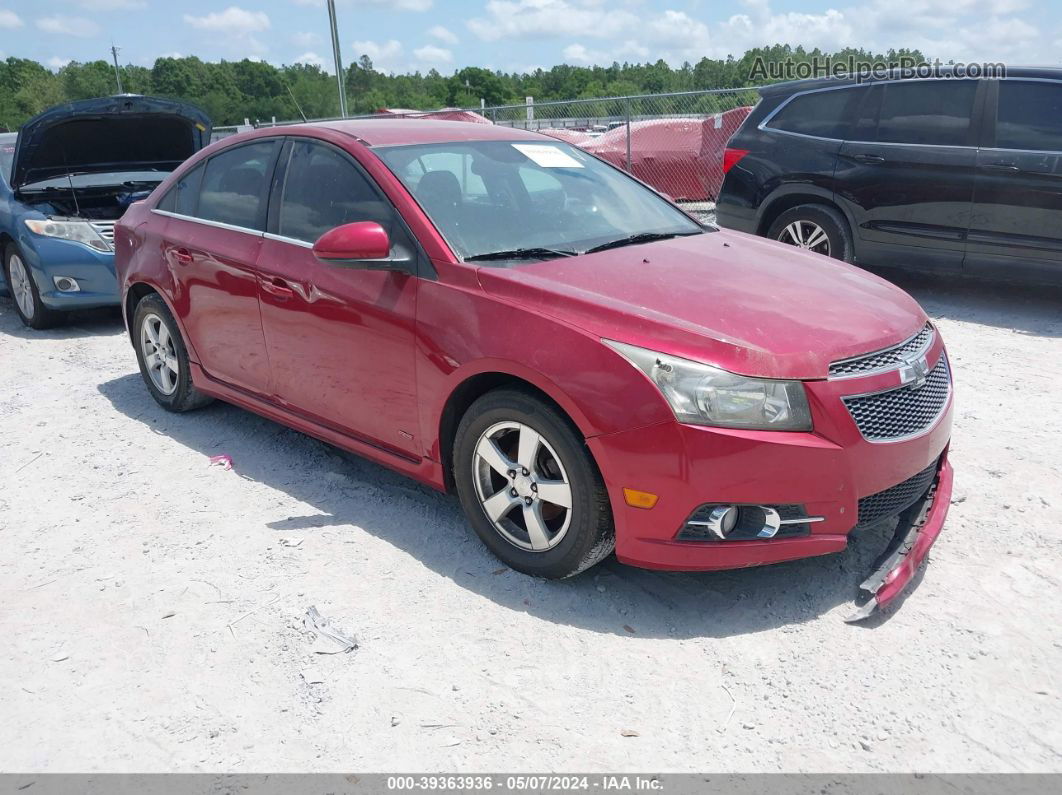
column 31, row 311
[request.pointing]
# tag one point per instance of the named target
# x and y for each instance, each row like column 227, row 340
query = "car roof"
column 796, row 86
column 403, row 132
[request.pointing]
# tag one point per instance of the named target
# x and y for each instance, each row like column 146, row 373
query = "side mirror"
column 362, row 244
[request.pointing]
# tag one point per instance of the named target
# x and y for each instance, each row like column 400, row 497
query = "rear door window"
column 822, row 114
column 235, row 185
column 322, row 190
column 1029, row 116
column 934, row 112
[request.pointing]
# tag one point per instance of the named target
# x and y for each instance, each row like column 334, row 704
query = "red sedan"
column 501, row 315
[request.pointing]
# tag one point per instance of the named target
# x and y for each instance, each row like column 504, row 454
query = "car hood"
column 120, row 133
column 748, row 305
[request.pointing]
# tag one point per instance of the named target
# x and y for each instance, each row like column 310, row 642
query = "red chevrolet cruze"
column 504, row 316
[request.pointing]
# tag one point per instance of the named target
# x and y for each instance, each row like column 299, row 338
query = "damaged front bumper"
column 916, row 532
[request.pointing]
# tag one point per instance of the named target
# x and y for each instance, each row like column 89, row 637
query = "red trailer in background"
column 577, row 137
column 682, row 158
column 446, row 114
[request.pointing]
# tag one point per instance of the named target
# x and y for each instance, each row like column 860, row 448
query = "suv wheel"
column 163, row 358
column 529, row 486
column 31, row 311
column 814, row 227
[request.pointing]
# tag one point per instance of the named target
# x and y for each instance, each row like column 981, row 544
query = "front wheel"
column 816, row 228
column 31, row 310
column 529, row 486
column 163, row 358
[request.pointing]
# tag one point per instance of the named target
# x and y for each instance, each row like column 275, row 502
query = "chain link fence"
column 672, row 142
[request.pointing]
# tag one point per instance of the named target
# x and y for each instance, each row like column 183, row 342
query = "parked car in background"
column 500, row 314
column 66, row 178
column 938, row 174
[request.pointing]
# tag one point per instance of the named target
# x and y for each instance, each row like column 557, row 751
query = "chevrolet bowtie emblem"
column 914, row 372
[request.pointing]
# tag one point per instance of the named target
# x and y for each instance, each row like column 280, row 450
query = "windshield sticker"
column 548, row 156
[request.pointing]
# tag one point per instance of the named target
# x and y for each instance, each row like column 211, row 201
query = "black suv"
column 940, row 173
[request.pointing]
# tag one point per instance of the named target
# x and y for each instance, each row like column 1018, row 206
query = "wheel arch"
column 475, row 385
column 137, row 292
column 787, row 201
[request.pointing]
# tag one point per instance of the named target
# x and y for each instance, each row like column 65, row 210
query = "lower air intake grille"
column 895, row 500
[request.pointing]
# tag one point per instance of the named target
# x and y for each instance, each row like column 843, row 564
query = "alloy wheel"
column 160, row 357
column 522, row 486
column 807, row 235
column 21, row 288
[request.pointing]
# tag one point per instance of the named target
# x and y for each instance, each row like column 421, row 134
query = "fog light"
column 66, row 284
column 722, row 520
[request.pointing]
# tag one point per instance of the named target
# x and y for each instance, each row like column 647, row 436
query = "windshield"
column 7, row 155
column 531, row 199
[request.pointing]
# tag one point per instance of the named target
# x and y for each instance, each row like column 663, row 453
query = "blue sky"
column 517, row 35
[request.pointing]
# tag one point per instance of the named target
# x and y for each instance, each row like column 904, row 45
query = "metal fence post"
column 627, row 105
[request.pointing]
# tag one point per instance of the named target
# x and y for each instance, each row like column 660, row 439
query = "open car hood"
column 120, row 133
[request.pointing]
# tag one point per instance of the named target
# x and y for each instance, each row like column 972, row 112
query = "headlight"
column 75, row 230
column 703, row 395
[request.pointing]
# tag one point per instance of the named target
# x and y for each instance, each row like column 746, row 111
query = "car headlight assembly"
column 72, row 229
column 703, row 395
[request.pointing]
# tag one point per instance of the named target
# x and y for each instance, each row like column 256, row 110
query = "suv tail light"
column 731, row 157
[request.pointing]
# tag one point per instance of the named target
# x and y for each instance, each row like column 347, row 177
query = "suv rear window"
column 820, row 113
column 1029, row 116
column 935, row 112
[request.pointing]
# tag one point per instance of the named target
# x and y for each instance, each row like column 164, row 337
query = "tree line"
column 231, row 91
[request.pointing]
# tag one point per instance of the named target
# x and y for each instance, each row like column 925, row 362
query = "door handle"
column 1008, row 167
column 868, row 158
column 183, row 256
column 278, row 288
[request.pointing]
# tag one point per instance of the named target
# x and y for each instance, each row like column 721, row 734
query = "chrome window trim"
column 878, row 371
column 290, row 240
column 205, row 222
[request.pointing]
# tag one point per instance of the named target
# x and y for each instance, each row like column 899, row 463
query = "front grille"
column 886, row 359
column 903, row 412
column 895, row 500
column 105, row 229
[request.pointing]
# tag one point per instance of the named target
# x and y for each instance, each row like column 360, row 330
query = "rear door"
column 905, row 176
column 212, row 240
column 340, row 340
column 1015, row 229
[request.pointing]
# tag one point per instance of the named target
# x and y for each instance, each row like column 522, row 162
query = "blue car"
column 65, row 178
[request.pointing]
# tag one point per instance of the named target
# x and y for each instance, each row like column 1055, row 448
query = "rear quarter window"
column 823, row 114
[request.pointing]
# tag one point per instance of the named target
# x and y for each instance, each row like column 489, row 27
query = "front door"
column 212, row 240
column 1015, row 229
column 340, row 340
column 906, row 174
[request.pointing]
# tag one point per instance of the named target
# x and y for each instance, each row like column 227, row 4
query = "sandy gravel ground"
column 150, row 607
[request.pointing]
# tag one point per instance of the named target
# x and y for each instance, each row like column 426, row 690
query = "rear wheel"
column 163, row 358
column 31, row 310
column 529, row 486
column 814, row 227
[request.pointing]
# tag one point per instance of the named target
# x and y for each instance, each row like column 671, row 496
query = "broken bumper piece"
column 916, row 531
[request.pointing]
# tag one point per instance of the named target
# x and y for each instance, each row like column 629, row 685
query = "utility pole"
column 117, row 74
column 338, row 58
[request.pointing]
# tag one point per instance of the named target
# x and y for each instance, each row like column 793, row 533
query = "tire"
column 805, row 221
column 24, row 293
column 569, row 539
column 163, row 357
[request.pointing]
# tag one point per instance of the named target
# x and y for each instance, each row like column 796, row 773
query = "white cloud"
column 232, row 20
column 443, row 34
column 432, row 54
column 305, row 39
column 9, row 19
column 404, row 5
column 310, row 59
column 234, row 29
column 546, row 18
column 55, row 63
column 385, row 56
column 68, row 26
